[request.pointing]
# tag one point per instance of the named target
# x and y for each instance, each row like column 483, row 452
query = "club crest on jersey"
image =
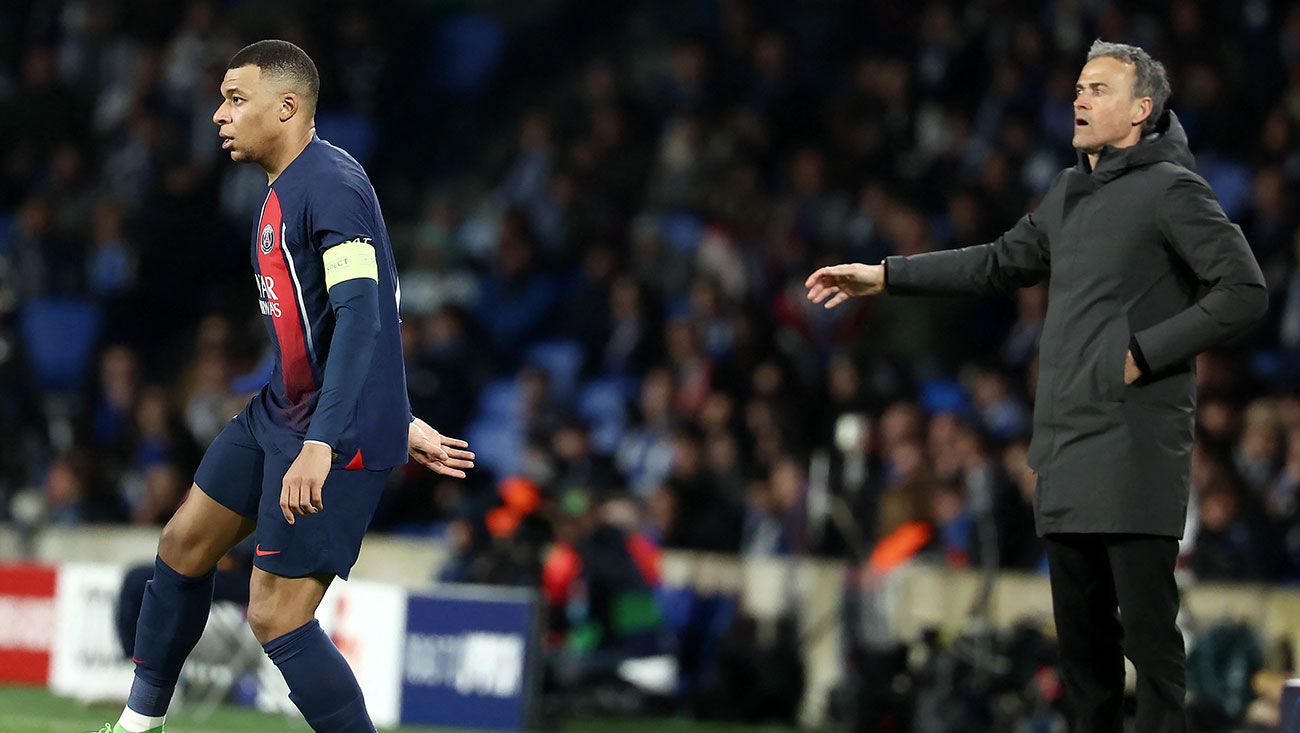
column 268, row 239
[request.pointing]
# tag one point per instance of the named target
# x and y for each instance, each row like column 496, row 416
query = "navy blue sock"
column 172, row 616
column 320, row 681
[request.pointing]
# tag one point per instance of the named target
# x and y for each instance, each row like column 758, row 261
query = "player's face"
column 248, row 117
column 1105, row 112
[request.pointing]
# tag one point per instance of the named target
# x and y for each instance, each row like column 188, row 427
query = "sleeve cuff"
column 884, row 263
column 1138, row 357
column 318, row 442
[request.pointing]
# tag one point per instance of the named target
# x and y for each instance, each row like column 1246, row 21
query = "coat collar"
column 1167, row 143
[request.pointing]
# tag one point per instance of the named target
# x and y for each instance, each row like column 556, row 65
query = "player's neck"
column 289, row 152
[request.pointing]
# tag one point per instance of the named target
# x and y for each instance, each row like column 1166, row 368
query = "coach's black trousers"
column 1094, row 576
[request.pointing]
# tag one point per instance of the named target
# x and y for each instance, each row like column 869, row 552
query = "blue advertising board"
column 469, row 657
column 1290, row 713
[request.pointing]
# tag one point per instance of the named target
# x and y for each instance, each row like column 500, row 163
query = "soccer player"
column 304, row 464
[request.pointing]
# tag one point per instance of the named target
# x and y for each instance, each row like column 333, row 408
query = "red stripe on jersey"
column 294, row 362
column 357, row 463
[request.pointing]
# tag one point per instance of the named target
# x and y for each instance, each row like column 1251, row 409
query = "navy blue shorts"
column 245, row 478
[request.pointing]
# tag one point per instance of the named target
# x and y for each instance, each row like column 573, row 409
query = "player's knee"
column 171, row 544
column 183, row 549
column 261, row 619
column 269, row 620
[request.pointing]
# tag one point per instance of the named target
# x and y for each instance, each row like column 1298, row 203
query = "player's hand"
column 841, row 282
column 1132, row 372
column 300, row 493
column 442, row 455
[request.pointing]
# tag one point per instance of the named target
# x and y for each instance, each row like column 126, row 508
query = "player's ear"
column 290, row 105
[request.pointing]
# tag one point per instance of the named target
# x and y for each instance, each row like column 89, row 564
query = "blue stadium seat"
column 59, row 336
column 603, row 404
column 350, row 131
column 561, row 360
column 499, row 401
column 1230, row 180
column 681, row 230
column 498, row 446
column 943, row 396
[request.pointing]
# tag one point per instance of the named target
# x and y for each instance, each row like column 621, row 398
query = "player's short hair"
column 1152, row 80
column 283, row 60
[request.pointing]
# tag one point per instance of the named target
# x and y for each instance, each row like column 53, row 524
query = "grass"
column 28, row 710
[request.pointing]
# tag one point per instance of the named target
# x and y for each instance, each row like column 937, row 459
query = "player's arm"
column 437, row 452
column 1201, row 234
column 352, row 279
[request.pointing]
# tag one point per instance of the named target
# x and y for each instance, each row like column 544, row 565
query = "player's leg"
column 282, row 613
column 292, row 572
column 219, row 511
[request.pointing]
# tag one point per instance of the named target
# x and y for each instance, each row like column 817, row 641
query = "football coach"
column 1144, row 272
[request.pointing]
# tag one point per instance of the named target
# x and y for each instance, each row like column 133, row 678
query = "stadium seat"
column 226, row 652
column 350, row 131
column 498, row 446
column 253, row 380
column 59, row 336
column 1230, row 180
column 561, row 360
column 603, row 404
column 942, row 396
column 681, row 230
column 499, row 401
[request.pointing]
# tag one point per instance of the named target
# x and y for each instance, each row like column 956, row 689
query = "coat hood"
column 1168, row 143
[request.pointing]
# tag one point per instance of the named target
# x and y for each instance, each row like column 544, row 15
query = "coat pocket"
column 1115, row 356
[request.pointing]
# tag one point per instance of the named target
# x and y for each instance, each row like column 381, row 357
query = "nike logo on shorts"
column 263, row 553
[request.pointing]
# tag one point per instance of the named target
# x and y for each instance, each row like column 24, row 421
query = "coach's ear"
column 290, row 105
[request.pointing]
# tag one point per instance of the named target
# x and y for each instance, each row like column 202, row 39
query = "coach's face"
column 1105, row 111
column 248, row 118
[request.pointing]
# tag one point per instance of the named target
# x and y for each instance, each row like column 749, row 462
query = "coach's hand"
column 301, row 491
column 443, row 455
column 1132, row 372
column 841, row 282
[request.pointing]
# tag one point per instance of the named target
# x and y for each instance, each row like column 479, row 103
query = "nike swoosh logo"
column 263, row 553
column 137, row 661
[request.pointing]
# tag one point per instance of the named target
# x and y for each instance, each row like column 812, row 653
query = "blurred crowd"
column 603, row 215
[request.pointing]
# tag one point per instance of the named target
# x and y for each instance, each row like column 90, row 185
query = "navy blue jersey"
column 323, row 199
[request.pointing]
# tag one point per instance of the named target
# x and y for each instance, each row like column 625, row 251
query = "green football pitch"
column 25, row 710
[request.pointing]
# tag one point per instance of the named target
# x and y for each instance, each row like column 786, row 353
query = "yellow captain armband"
column 350, row 261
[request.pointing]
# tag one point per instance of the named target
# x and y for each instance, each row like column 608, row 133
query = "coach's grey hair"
column 1152, row 81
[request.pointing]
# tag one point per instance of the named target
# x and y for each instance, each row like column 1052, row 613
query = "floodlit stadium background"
column 603, row 213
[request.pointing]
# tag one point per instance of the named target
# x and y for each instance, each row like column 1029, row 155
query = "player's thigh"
column 201, row 531
column 221, row 508
column 233, row 467
column 325, row 542
column 278, row 605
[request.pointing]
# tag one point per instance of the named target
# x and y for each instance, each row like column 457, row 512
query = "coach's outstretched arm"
column 1017, row 259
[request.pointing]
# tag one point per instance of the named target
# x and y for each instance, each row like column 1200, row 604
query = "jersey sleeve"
column 341, row 211
column 342, row 224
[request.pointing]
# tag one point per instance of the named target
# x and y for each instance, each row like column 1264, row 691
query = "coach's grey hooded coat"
column 1126, row 249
